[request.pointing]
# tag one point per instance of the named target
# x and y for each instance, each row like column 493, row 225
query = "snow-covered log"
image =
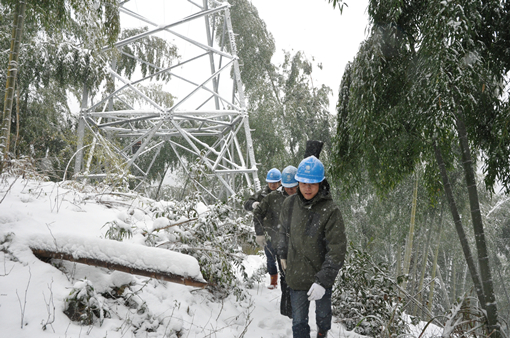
column 126, row 257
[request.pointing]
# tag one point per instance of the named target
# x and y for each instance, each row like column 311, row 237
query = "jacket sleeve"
column 336, row 246
column 259, row 214
column 284, row 228
column 256, row 197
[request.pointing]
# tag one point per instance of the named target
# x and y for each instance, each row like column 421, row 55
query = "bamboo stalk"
column 409, row 243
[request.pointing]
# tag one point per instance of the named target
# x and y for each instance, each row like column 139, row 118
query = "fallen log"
column 161, row 275
column 131, row 258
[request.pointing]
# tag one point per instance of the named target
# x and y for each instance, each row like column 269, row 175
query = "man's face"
column 309, row 190
column 274, row 185
column 291, row 191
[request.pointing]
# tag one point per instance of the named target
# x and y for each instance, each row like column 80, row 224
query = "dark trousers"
column 300, row 307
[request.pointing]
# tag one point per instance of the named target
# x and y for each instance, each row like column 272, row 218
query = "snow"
column 131, row 255
column 57, row 216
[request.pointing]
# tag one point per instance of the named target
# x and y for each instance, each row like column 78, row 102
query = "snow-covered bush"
column 214, row 235
column 465, row 319
column 118, row 230
column 256, row 277
column 365, row 297
column 85, row 305
column 215, row 240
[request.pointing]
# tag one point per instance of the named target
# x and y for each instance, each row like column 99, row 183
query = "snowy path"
column 269, row 323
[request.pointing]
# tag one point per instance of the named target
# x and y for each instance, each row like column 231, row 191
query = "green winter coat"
column 256, row 197
column 267, row 214
column 312, row 239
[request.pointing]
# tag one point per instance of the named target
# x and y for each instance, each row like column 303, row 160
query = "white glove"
column 261, row 240
column 316, row 292
column 255, row 205
column 284, row 264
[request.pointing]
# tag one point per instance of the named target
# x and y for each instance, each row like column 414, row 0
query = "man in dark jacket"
column 312, row 247
column 266, row 217
column 273, row 179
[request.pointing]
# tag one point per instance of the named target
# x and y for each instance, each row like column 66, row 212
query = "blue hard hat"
column 273, row 175
column 310, row 170
column 288, row 179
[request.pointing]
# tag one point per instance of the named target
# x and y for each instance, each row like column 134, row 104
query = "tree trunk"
column 12, row 71
column 454, row 281
column 17, row 121
column 434, row 267
column 424, row 264
column 476, row 217
column 458, row 225
column 398, row 272
column 81, row 130
column 409, row 242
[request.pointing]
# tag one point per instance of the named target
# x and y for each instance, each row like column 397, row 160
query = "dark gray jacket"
column 256, row 197
column 312, row 239
column 267, row 215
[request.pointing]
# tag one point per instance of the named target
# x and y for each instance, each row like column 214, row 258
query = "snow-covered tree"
column 430, row 79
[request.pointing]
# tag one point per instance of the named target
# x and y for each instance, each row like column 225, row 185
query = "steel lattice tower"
column 208, row 120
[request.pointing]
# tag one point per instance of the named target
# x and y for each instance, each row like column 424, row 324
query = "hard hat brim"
column 272, row 181
column 307, row 179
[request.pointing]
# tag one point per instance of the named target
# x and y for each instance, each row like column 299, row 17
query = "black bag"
column 285, row 306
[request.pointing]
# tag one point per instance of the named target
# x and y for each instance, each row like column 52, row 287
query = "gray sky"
column 314, row 27
column 311, row 26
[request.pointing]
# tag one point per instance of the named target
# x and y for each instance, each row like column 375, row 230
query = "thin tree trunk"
column 424, row 257
column 434, row 266
column 12, row 71
column 17, row 120
column 442, row 284
column 399, row 262
column 409, row 242
column 454, row 281
column 463, row 289
column 458, row 225
column 414, row 278
column 481, row 246
column 81, row 130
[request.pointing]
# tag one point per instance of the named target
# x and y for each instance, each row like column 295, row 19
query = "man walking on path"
column 273, row 179
column 312, row 247
column 266, row 217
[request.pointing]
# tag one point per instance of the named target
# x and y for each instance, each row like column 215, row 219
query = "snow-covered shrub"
column 85, row 305
column 256, row 277
column 118, row 230
column 365, row 297
column 23, row 167
column 465, row 319
column 215, row 240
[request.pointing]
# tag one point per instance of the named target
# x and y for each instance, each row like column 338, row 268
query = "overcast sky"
column 313, row 26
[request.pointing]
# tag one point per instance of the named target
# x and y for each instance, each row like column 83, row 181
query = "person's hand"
column 284, row 264
column 255, row 205
column 261, row 240
column 316, row 292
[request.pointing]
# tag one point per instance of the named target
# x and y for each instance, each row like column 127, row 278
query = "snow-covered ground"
column 33, row 293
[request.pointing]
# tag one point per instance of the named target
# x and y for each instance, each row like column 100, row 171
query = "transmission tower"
column 207, row 122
